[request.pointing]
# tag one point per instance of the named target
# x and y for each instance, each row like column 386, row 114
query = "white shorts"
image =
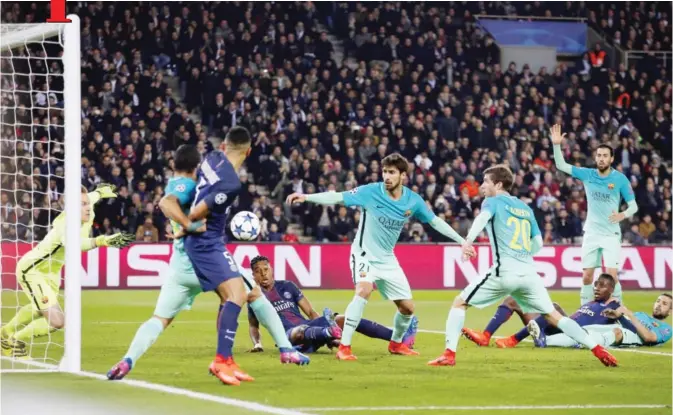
column 629, row 338
column 595, row 247
column 388, row 276
column 528, row 291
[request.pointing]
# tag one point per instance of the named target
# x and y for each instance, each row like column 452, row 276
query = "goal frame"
column 70, row 39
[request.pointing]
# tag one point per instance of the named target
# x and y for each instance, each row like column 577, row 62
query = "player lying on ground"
column 214, row 266
column 39, row 275
column 515, row 238
column 604, row 188
column 317, row 331
column 385, row 209
column 589, row 316
column 639, row 329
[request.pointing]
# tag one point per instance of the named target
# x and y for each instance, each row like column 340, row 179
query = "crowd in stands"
column 420, row 79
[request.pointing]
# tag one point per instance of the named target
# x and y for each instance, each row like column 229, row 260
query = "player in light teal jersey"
column 651, row 329
column 604, row 188
column 385, row 209
column 515, row 238
column 181, row 286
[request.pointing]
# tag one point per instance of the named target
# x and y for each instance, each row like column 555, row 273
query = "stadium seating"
column 329, row 89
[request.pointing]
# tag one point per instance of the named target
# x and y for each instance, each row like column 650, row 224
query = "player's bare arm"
column 643, row 332
column 324, row 198
column 557, row 138
column 198, row 212
column 307, row 308
column 170, row 206
column 255, row 334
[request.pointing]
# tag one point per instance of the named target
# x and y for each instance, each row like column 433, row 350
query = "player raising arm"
column 385, row 209
column 604, row 188
column 216, row 269
column 39, row 275
column 315, row 332
column 181, row 285
column 515, row 238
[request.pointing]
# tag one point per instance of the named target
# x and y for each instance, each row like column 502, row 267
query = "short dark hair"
column 187, row 158
column 607, row 147
column 667, row 295
column 238, row 136
column 609, row 278
column 397, row 161
column 256, row 260
column 501, row 174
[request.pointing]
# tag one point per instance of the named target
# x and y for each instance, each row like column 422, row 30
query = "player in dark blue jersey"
column 308, row 334
column 217, row 188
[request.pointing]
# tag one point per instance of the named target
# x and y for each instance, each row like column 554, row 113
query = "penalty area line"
column 617, row 349
column 253, row 406
column 481, row 408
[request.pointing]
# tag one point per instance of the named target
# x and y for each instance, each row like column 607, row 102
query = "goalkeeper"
column 39, row 275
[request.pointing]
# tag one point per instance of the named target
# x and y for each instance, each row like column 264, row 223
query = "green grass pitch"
column 483, row 376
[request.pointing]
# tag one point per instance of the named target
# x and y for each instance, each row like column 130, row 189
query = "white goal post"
column 15, row 41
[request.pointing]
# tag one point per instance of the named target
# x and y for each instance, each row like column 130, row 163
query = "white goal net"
column 39, row 170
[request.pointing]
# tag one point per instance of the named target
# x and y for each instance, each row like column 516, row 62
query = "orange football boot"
column 448, row 358
column 401, row 349
column 345, row 353
column 223, row 370
column 507, row 342
column 479, row 338
column 604, row 356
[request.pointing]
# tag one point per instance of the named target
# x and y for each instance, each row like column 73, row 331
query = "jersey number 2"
column 521, row 238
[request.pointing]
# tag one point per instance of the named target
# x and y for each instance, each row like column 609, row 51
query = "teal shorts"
column 597, row 247
column 388, row 276
column 180, row 287
column 527, row 289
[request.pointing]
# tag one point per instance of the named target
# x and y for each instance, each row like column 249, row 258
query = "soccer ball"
column 245, row 226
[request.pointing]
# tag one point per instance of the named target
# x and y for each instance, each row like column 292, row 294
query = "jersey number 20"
column 521, row 237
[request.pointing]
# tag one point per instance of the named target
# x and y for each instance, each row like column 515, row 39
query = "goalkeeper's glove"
column 106, row 191
column 118, row 240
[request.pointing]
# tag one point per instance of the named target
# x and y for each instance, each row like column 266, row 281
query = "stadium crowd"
column 425, row 81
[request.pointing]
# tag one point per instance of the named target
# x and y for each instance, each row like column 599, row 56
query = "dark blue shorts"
column 212, row 267
column 311, row 347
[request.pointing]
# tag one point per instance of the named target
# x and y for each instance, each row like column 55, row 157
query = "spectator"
column 147, row 232
column 646, row 227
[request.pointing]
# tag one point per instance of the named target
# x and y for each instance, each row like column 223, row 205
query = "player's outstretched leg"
column 454, row 325
column 10, row 346
column 147, row 334
column 401, row 323
column 270, row 319
column 574, row 331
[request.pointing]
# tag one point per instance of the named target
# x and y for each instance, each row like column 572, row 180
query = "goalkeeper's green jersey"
column 48, row 256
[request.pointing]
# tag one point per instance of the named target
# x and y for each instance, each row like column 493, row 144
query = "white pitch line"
column 481, row 408
column 618, row 349
column 253, row 406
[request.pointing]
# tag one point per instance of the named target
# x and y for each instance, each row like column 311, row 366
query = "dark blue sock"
column 502, row 314
column 318, row 334
column 226, row 328
column 374, row 330
column 521, row 334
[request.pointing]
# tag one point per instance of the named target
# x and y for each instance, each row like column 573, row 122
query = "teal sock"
column 270, row 319
column 145, row 337
column 573, row 330
column 587, row 293
column 400, row 326
column 353, row 315
column 618, row 292
column 454, row 325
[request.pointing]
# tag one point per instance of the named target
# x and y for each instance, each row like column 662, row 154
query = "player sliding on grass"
column 39, row 275
column 385, row 209
column 317, row 331
column 515, row 238
column 604, row 187
column 215, row 268
column 182, row 284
